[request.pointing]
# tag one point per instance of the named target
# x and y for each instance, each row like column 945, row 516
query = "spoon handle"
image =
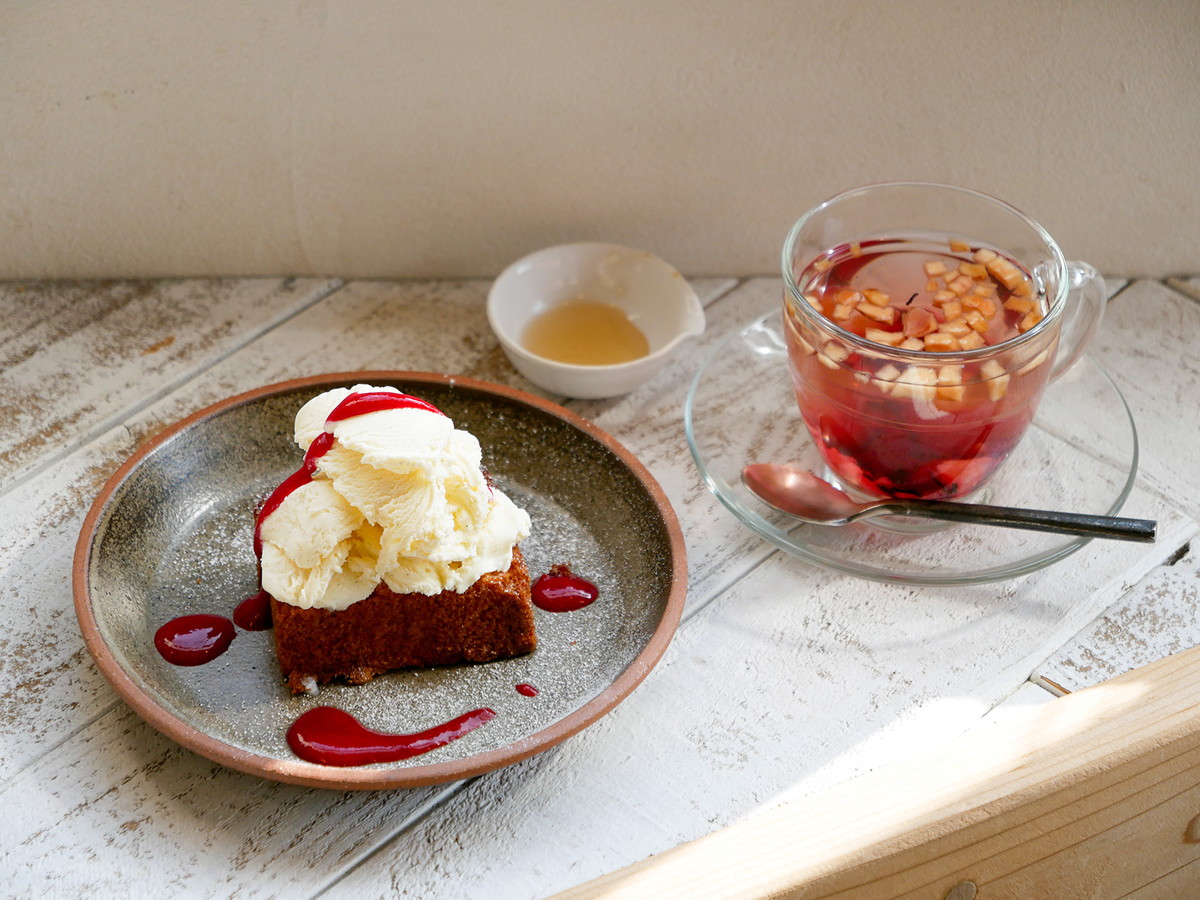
column 1143, row 530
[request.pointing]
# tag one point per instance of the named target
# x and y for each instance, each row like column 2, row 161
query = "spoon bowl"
column 803, row 495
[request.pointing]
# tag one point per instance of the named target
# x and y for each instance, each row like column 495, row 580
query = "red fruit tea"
column 918, row 406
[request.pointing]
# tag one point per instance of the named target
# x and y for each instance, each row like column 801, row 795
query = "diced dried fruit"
column 1008, row 275
column 848, row 297
column 832, row 354
column 985, row 305
column 950, row 383
column 976, row 320
column 879, row 298
column 887, row 372
column 995, row 377
column 1030, row 319
column 940, row 342
column 957, row 327
column 885, row 376
column 814, row 302
column 961, row 284
column 919, row 322
column 884, row 314
column 951, row 304
column 917, row 382
column 972, row 341
column 888, row 338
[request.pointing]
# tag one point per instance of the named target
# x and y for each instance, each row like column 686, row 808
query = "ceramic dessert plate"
column 171, row 535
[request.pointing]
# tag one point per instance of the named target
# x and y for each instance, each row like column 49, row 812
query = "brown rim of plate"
column 304, row 773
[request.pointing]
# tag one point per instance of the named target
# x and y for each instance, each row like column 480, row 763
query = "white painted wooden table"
column 783, row 680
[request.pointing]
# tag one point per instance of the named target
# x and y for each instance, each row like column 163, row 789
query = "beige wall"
column 424, row 138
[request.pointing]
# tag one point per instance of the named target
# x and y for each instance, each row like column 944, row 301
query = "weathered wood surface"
column 76, row 358
column 785, row 680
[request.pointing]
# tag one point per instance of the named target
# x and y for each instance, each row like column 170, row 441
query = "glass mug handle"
column 1087, row 297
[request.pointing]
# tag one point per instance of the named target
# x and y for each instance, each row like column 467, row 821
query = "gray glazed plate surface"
column 171, row 535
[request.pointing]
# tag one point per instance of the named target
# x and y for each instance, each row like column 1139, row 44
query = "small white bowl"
column 655, row 297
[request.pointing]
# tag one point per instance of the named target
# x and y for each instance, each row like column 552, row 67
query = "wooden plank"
column 118, row 807
column 1050, row 808
column 1147, row 344
column 76, row 357
column 1155, row 618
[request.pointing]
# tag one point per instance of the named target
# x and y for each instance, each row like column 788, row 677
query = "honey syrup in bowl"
column 592, row 320
column 585, row 332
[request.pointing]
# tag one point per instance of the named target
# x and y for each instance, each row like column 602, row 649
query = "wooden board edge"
column 1095, row 794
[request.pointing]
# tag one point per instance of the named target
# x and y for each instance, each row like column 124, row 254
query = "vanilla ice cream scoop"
column 390, row 492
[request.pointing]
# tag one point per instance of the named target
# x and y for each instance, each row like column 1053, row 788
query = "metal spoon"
column 802, row 494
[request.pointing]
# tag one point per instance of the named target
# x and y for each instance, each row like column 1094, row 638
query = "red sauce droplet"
column 332, row 737
column 561, row 590
column 527, row 690
column 194, row 640
column 254, row 613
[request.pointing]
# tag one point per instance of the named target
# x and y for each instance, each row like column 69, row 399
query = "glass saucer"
column 1080, row 454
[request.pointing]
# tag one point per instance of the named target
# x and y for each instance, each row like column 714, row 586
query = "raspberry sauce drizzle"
column 195, row 639
column 561, row 590
column 254, row 613
column 374, row 401
column 302, row 476
column 527, row 690
column 332, row 737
